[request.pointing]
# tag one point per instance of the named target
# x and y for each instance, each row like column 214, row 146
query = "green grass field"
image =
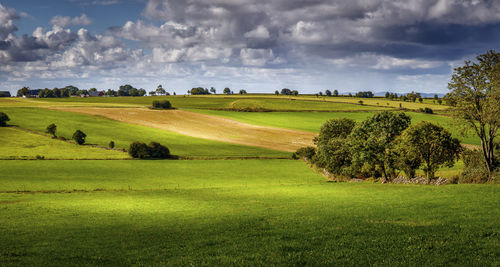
column 19, row 144
column 253, row 216
column 101, row 131
column 312, row 121
column 222, row 212
column 226, row 102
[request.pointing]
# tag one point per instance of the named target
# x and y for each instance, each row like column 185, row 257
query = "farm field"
column 19, row 144
column 213, row 209
column 136, row 215
column 207, row 127
column 101, row 131
column 286, row 103
column 312, row 121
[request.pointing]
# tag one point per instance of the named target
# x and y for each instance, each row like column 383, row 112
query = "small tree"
column 51, row 129
column 212, row 90
column 227, row 91
column 111, row 144
column 276, row 92
column 328, row 93
column 335, row 93
column 79, row 137
column 432, row 145
column 3, row 119
column 243, row 92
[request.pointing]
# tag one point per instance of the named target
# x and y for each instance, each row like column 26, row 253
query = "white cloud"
column 65, row 21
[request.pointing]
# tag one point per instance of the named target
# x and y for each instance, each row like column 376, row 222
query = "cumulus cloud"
column 65, row 21
column 217, row 38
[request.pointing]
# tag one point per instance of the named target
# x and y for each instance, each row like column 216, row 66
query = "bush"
column 111, row 144
column 426, row 110
column 153, row 150
column 162, row 104
column 305, row 152
column 51, row 129
column 474, row 170
column 3, row 119
column 79, row 137
column 157, row 151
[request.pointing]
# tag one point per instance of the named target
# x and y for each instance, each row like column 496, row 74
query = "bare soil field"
column 205, row 126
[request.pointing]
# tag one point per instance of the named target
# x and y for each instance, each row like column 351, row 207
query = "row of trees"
column 286, row 91
column 382, row 146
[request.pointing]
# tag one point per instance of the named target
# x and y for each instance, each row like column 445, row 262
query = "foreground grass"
column 312, row 121
column 101, row 131
column 19, row 144
column 247, row 216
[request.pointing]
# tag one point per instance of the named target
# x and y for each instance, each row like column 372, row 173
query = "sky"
column 256, row 45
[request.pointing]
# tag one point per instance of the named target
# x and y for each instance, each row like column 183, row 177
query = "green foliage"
column 129, row 90
column 371, row 141
column 426, row 110
column 475, row 170
column 79, row 137
column 305, row 152
column 227, row 91
column 25, row 91
column 52, row 129
column 199, row 91
column 328, row 93
column 153, row 150
column 432, row 145
column 475, row 97
column 365, row 94
column 111, row 144
column 162, row 104
column 286, row 91
column 3, row 119
column 243, row 92
column 333, row 152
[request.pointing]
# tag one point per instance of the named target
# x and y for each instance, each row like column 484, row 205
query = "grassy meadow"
column 211, row 210
column 253, row 216
column 19, row 144
column 270, row 102
column 101, row 131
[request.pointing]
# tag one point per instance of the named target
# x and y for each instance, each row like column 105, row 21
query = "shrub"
column 474, row 170
column 51, row 129
column 153, row 150
column 426, row 110
column 139, row 150
column 158, row 151
column 3, row 119
column 162, row 104
column 79, row 137
column 305, row 152
column 111, row 144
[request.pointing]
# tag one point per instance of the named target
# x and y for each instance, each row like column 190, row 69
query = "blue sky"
column 260, row 46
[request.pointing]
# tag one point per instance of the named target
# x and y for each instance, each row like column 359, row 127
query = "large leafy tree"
column 429, row 144
column 333, row 152
column 475, row 96
column 371, row 141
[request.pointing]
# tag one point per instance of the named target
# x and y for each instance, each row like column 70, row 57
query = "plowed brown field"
column 205, row 126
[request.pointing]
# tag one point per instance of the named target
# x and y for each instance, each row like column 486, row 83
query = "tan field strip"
column 205, row 126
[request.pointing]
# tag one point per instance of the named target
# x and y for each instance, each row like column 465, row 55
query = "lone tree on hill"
column 79, row 137
column 475, row 97
column 51, row 129
column 3, row 119
column 227, row 91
